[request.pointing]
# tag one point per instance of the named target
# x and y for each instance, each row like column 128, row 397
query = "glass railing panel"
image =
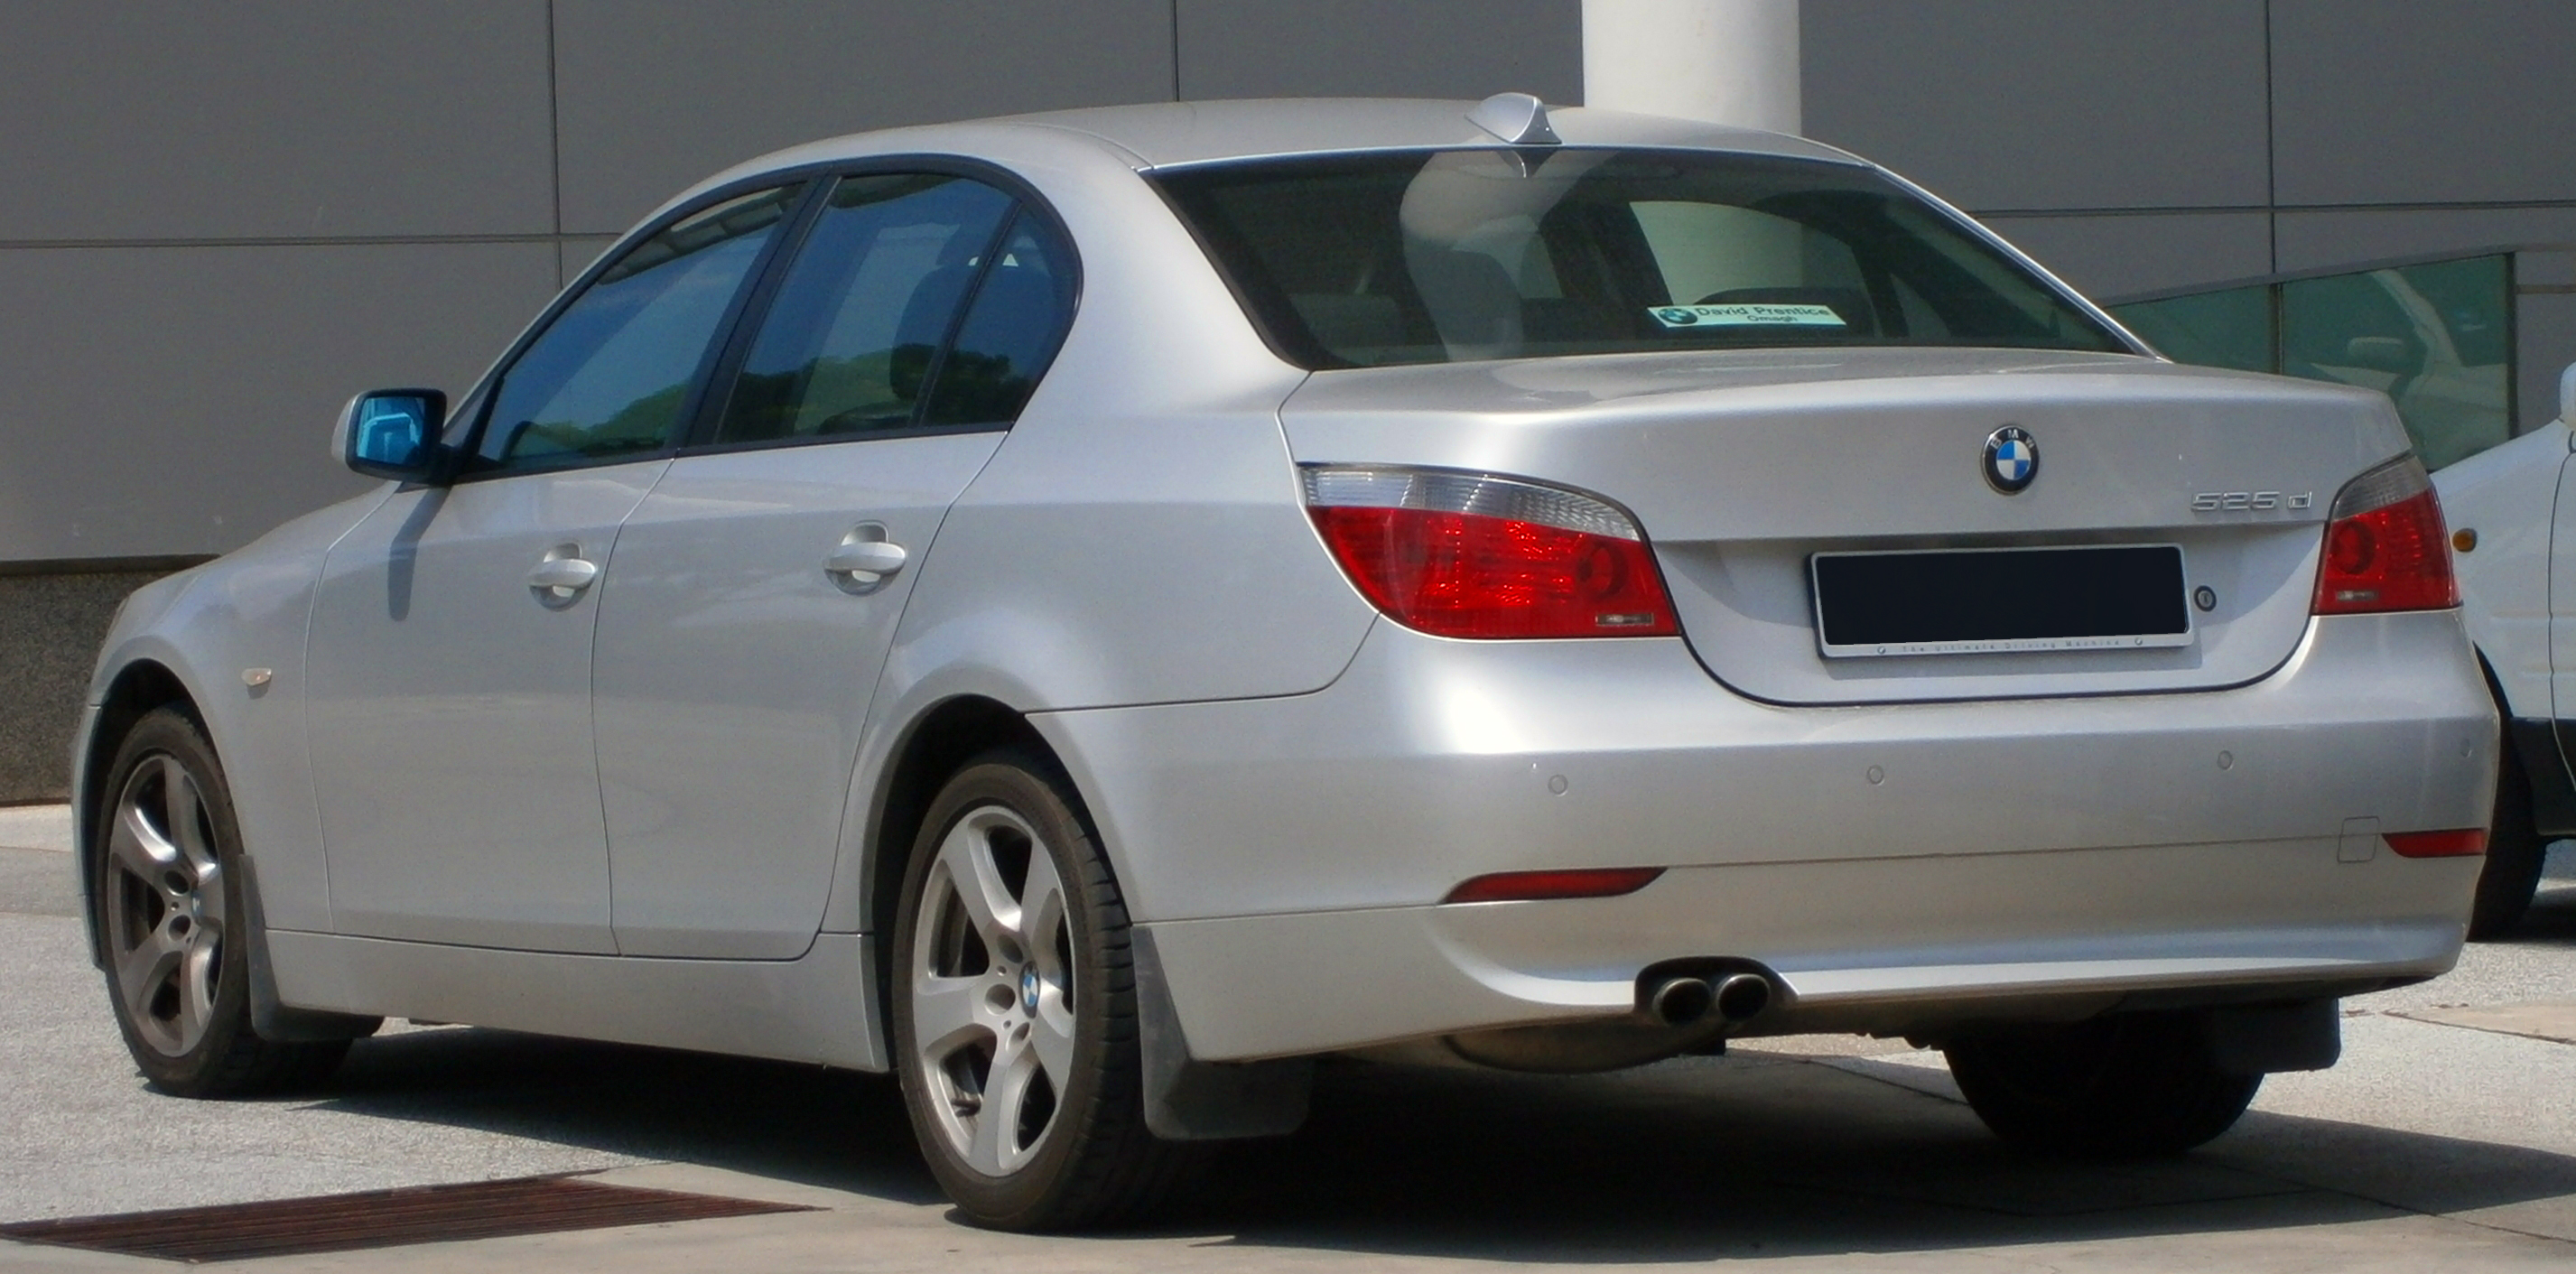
column 2231, row 328
column 2435, row 338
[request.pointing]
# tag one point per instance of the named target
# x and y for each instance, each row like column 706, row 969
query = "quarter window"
column 609, row 378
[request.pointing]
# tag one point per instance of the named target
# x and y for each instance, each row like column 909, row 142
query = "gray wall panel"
column 1381, row 48
column 2318, row 240
column 179, row 400
column 2046, row 104
column 656, row 94
column 160, row 119
column 2115, row 256
column 2400, row 101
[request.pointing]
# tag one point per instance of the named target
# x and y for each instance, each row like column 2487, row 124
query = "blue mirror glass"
column 390, row 430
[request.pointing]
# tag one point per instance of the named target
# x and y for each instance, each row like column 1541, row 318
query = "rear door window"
column 897, row 268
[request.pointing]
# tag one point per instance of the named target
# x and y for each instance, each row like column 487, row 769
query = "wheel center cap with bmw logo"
column 2012, row 459
column 1029, row 990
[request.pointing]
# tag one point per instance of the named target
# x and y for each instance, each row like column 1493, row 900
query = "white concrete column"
column 1723, row 61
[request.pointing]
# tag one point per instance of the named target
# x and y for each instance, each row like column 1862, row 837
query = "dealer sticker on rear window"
column 1750, row 314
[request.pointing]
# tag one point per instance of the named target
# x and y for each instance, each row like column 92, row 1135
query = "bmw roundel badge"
column 2012, row 459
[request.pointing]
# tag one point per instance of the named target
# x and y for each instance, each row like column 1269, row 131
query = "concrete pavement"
column 2446, row 1139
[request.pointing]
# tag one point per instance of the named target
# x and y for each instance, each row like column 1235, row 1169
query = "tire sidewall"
column 2516, row 853
column 165, row 732
column 1035, row 795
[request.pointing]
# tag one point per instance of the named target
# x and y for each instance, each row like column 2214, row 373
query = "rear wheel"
column 1015, row 1009
column 166, row 898
column 2124, row 1085
column 2516, row 851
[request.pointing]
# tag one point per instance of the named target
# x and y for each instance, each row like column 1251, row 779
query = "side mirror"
column 2380, row 354
column 391, row 433
column 2567, row 395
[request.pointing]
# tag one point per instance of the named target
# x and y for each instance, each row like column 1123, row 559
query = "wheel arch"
column 141, row 686
column 938, row 743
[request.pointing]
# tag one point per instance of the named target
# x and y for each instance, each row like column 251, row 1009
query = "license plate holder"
column 2000, row 600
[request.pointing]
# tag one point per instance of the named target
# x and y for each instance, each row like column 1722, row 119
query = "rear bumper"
column 1898, row 866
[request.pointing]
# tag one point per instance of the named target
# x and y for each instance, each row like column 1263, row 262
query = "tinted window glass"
column 1010, row 333
column 609, row 378
column 1451, row 255
column 849, row 342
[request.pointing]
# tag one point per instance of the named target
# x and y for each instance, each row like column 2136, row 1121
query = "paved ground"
column 2446, row 1139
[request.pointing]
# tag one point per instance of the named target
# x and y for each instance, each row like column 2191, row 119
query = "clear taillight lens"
column 2386, row 547
column 1473, row 555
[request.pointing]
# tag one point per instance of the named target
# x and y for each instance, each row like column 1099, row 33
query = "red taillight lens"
column 1533, row 886
column 1470, row 555
column 2386, row 547
column 2465, row 843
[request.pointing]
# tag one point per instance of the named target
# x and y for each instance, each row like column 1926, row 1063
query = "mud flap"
column 1190, row 1100
column 273, row 1020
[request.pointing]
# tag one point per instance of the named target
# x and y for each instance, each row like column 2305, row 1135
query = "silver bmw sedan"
column 1091, row 612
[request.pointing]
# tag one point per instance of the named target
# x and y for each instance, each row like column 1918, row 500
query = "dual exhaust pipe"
column 1689, row 999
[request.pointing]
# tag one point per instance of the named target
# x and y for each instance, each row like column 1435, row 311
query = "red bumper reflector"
column 1530, row 886
column 2464, row 843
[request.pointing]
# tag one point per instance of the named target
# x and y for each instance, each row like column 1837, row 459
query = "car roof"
column 1163, row 134
column 1166, row 134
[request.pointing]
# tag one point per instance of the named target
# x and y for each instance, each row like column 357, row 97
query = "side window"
column 849, row 343
column 610, row 376
column 1011, row 331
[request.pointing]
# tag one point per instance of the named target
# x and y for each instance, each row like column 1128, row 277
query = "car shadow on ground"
column 1750, row 1155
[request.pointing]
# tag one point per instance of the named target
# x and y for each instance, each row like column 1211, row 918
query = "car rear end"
column 1784, row 587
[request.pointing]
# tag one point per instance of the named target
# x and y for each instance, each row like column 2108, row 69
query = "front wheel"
column 1015, row 1008
column 2121, row 1086
column 166, row 899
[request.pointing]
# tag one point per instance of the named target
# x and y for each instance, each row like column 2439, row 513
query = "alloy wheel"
column 992, row 990
column 164, row 890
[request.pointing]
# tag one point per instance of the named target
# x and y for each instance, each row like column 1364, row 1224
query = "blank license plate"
column 1988, row 601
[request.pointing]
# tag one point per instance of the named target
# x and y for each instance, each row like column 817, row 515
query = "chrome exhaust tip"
column 1682, row 1001
column 1739, row 997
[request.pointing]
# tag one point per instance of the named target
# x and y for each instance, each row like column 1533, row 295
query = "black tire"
column 1075, row 1152
column 2125, row 1085
column 2516, row 852
column 177, row 978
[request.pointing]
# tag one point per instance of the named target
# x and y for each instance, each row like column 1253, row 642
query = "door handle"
column 864, row 558
column 559, row 579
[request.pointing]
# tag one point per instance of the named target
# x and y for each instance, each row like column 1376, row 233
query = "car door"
column 759, row 584
column 2561, row 547
column 450, row 649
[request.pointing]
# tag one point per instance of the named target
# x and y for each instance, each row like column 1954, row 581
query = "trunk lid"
column 1741, row 466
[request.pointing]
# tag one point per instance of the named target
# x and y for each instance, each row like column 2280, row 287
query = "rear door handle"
column 561, row 577
column 864, row 558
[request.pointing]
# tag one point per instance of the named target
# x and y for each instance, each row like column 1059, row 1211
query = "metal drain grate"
column 383, row 1218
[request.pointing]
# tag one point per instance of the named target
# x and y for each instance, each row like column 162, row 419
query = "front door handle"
column 864, row 558
column 559, row 579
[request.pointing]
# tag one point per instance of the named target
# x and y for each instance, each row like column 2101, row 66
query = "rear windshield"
column 1449, row 256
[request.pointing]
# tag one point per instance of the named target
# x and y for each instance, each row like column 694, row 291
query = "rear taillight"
column 1472, row 555
column 2386, row 548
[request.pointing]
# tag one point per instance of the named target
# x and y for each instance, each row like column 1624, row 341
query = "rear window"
column 1456, row 255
